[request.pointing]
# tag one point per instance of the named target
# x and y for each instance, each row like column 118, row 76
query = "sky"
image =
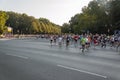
column 57, row 11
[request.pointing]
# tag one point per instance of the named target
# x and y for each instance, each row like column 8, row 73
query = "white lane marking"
column 18, row 56
column 91, row 73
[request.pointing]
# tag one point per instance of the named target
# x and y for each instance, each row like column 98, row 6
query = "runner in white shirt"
column 60, row 41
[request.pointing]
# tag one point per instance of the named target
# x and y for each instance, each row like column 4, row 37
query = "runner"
column 76, row 37
column 112, row 41
column 60, row 39
column 67, row 41
column 51, row 40
column 83, row 42
column 54, row 38
column 95, row 41
column 103, row 41
column 118, row 43
column 88, row 41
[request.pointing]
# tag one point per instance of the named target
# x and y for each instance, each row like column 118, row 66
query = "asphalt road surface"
column 35, row 59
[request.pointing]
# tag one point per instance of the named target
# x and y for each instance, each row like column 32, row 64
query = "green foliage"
column 115, row 13
column 3, row 18
column 24, row 24
column 66, row 28
column 49, row 27
column 98, row 17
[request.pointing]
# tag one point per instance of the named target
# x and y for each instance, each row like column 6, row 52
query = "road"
column 35, row 59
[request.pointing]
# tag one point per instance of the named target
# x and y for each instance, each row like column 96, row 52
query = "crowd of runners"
column 85, row 41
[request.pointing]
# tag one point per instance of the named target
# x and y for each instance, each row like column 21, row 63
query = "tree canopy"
column 3, row 18
column 24, row 24
column 100, row 16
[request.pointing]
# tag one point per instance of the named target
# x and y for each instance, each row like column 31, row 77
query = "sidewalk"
column 5, row 39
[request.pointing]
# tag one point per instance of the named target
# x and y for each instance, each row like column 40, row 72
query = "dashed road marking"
column 91, row 73
column 18, row 56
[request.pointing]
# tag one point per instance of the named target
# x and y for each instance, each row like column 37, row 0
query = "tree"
column 3, row 18
column 115, row 14
column 49, row 27
column 94, row 18
column 13, row 21
column 24, row 24
column 66, row 28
